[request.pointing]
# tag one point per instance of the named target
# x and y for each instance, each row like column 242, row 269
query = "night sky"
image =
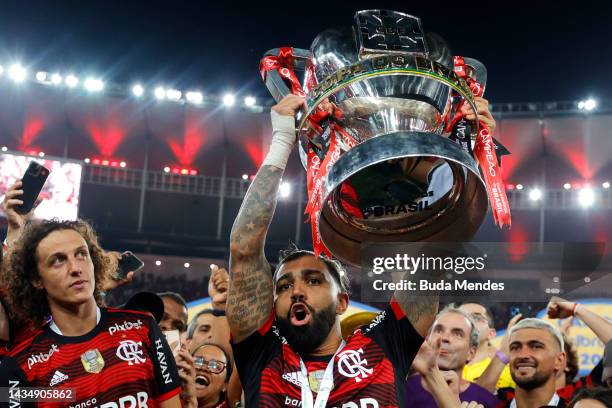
column 552, row 51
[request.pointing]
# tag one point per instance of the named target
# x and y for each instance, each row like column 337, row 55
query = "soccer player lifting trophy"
column 390, row 155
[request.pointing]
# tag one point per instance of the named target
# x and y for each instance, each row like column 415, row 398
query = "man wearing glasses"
column 484, row 353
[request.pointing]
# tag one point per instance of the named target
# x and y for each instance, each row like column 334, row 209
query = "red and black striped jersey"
column 369, row 371
column 124, row 361
column 566, row 393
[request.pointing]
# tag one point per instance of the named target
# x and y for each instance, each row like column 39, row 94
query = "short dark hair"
column 174, row 296
column 194, row 321
column 488, row 312
column 228, row 367
column 292, row 252
column 603, row 395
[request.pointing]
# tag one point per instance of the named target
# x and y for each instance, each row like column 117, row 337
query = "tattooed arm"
column 420, row 309
column 250, row 294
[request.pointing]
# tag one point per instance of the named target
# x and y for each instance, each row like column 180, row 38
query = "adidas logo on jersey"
column 293, row 378
column 57, row 378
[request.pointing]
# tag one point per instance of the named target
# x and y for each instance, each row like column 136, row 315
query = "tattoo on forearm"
column 255, row 215
column 250, row 294
column 421, row 309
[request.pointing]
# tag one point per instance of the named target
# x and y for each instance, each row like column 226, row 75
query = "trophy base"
column 401, row 187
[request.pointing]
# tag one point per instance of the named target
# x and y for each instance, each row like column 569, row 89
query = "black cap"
column 146, row 302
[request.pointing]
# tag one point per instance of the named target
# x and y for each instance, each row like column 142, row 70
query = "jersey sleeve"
column 253, row 353
column 394, row 333
column 12, row 380
column 164, row 367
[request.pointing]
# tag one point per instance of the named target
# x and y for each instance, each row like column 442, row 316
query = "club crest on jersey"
column 351, row 364
column 92, row 361
column 131, row 352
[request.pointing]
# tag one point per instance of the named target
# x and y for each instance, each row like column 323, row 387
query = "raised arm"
column 560, row 309
column 250, row 295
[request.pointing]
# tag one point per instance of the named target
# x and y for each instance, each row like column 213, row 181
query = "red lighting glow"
column 184, row 171
column 106, row 139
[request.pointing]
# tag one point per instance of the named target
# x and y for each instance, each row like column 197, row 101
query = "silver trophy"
column 387, row 90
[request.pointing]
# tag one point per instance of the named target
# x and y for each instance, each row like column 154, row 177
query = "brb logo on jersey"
column 131, row 352
column 42, row 357
column 351, row 364
column 124, row 327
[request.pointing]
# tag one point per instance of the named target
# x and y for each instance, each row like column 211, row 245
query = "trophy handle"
column 275, row 84
column 479, row 70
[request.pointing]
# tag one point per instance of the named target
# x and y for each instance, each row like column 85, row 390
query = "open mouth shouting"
column 300, row 314
column 202, row 381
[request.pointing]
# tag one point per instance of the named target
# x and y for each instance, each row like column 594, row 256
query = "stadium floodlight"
column 1, row 70
column 122, row 164
column 166, row 169
column 284, row 189
column 160, row 93
column 519, row 186
column 535, row 194
column 250, row 101
column 17, row 73
column 86, row 160
column 590, row 104
column 4, row 148
column 567, row 186
column 174, row 94
column 94, row 84
column 158, row 262
column 245, row 176
column 137, row 90
column 41, row 76
column 72, row 81
column 587, row 104
column 605, row 184
column 229, row 99
column 186, row 264
column 56, row 79
column 586, row 197
column 194, row 97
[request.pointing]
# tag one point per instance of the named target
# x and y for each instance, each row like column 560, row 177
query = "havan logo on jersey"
column 42, row 357
column 127, row 325
column 161, row 357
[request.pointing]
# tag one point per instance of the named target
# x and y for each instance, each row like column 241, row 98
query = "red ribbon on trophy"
column 484, row 150
column 317, row 169
column 283, row 64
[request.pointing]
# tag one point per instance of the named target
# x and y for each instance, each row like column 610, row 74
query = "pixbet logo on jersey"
column 124, row 327
column 41, row 357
